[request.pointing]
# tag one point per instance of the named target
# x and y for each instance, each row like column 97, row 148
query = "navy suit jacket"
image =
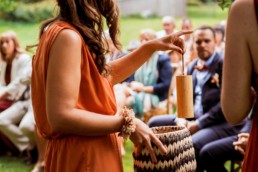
column 211, row 92
column 165, row 74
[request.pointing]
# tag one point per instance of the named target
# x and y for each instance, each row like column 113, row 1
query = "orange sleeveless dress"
column 250, row 159
column 68, row 152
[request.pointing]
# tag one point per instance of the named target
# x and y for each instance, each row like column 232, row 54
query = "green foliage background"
column 27, row 10
column 224, row 3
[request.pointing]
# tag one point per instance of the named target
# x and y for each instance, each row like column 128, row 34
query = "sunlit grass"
column 14, row 164
column 127, row 158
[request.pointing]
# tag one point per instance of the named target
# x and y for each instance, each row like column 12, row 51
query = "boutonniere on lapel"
column 215, row 79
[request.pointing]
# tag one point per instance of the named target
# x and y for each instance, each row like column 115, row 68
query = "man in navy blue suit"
column 209, row 124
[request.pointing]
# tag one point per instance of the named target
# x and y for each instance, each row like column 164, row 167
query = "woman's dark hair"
column 88, row 17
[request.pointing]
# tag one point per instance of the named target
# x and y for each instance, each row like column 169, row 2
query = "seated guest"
column 133, row 45
column 112, row 52
column 186, row 24
column 216, row 153
column 220, row 43
column 17, row 123
column 168, row 25
column 209, row 123
column 12, row 63
column 150, row 83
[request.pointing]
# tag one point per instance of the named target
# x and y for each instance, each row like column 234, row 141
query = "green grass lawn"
column 130, row 28
column 14, row 164
column 127, row 158
column 26, row 32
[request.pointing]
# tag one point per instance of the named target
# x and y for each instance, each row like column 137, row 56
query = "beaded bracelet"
column 129, row 125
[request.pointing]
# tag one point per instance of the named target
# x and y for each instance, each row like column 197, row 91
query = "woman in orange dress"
column 72, row 94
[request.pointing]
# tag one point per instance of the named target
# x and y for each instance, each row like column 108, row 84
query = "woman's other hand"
column 241, row 143
column 143, row 135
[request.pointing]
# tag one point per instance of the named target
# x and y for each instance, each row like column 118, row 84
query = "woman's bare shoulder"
column 242, row 14
column 242, row 6
column 68, row 44
column 68, row 37
column 241, row 2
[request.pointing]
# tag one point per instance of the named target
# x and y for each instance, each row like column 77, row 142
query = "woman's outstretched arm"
column 124, row 67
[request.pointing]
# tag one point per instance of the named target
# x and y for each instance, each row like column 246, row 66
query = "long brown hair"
column 17, row 48
column 87, row 17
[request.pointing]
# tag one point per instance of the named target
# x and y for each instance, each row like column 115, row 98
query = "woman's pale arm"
column 62, row 90
column 124, row 67
column 236, row 84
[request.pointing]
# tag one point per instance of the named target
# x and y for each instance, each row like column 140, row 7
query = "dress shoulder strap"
column 53, row 30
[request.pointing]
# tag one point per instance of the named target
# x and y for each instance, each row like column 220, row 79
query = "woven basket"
column 180, row 155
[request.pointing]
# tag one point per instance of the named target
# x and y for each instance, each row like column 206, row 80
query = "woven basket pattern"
column 180, row 155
